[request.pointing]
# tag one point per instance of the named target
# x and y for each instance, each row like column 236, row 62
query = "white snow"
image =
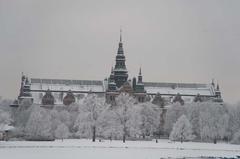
column 189, row 91
column 100, row 86
column 81, row 148
column 5, row 127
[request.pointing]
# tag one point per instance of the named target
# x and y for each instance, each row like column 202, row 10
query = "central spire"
column 120, row 35
column 120, row 45
column 120, row 69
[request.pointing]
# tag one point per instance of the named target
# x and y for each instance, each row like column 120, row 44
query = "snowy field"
column 76, row 149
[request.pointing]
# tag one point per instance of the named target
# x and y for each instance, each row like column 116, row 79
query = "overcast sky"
column 173, row 41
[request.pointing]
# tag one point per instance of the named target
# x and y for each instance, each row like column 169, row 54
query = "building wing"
column 188, row 90
column 38, row 86
column 182, row 88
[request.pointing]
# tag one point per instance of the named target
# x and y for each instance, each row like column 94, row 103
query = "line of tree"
column 93, row 118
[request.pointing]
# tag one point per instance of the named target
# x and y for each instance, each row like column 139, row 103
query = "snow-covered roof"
column 100, row 86
column 182, row 88
column 65, row 82
column 63, row 85
column 179, row 85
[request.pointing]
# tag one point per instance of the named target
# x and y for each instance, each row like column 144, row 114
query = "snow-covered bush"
column 182, row 130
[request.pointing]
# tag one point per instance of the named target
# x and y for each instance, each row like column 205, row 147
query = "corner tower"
column 120, row 69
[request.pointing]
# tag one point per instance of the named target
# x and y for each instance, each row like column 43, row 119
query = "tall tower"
column 120, row 70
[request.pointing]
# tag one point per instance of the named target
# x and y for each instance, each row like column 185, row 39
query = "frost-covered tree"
column 236, row 138
column 124, row 115
column 149, row 115
column 73, row 110
column 182, row 130
column 234, row 119
column 5, row 119
column 4, row 105
column 20, row 117
column 55, row 121
column 90, row 116
column 25, row 103
column 174, row 111
column 213, row 122
column 62, row 131
column 192, row 113
column 64, row 117
column 38, row 126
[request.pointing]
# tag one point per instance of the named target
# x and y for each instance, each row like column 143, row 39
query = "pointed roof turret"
column 111, row 82
column 120, row 45
column 218, row 93
column 112, row 72
column 120, row 35
column 140, row 84
column 218, row 88
column 140, row 76
column 112, row 75
column 213, row 84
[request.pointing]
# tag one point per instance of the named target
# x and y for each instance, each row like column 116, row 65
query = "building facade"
column 60, row 91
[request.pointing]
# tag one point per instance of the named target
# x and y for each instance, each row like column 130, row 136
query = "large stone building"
column 61, row 91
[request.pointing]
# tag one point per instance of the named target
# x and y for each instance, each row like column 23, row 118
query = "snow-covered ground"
column 86, row 149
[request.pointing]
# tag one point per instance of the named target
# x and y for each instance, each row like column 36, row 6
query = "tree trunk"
column 94, row 134
column 181, row 137
column 124, row 138
column 215, row 141
column 124, row 134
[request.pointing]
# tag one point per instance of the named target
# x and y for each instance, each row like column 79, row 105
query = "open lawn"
column 80, row 148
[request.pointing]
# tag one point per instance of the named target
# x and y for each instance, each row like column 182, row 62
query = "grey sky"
column 173, row 41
